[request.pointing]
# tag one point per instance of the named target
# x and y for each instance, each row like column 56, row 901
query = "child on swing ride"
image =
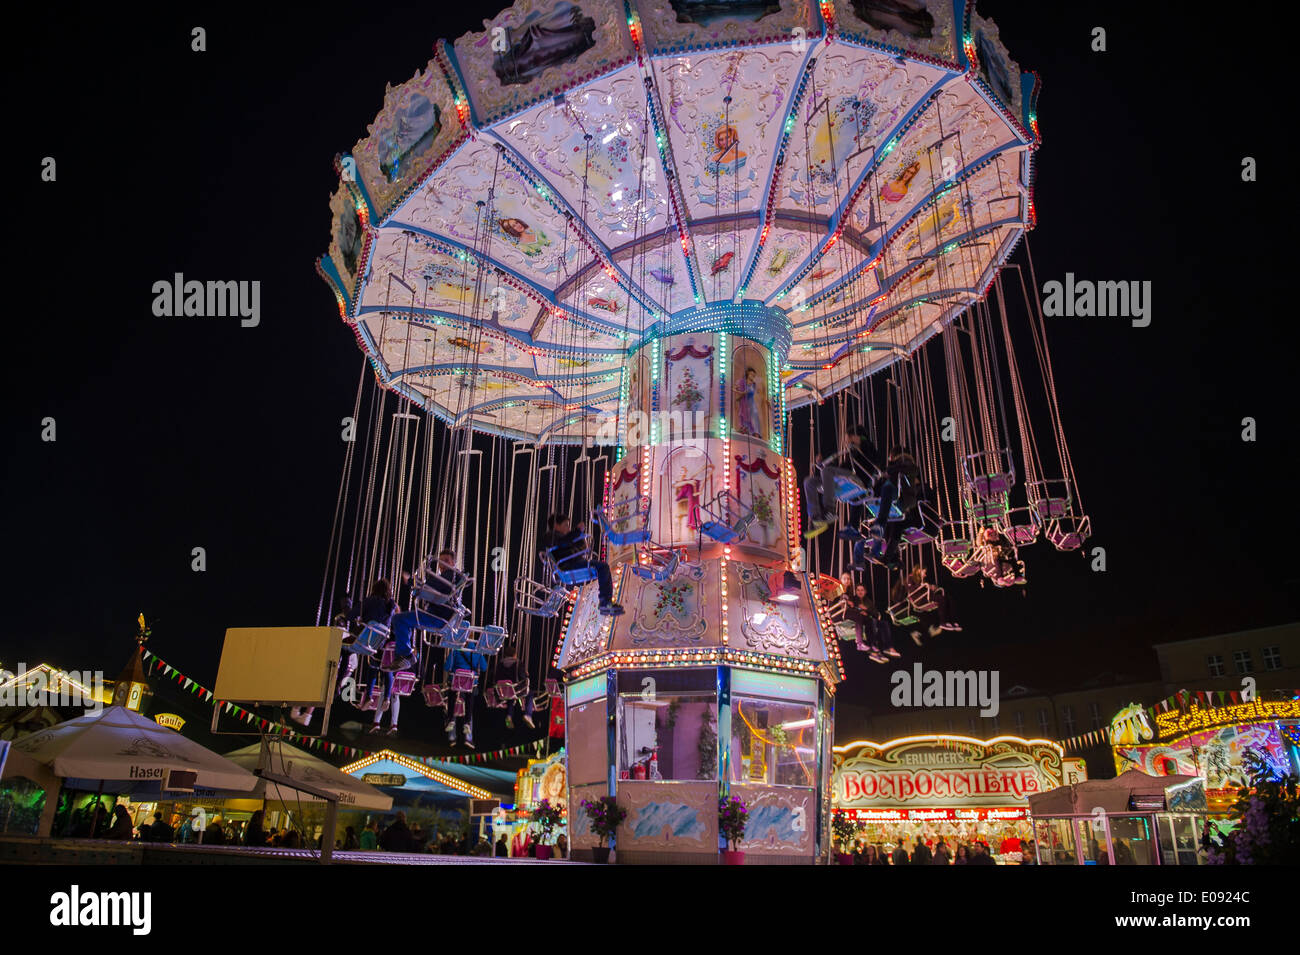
column 821, row 491
column 440, row 592
column 568, row 550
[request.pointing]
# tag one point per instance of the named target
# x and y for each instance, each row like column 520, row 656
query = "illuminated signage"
column 963, row 776
column 384, row 779
column 169, row 720
column 1180, row 722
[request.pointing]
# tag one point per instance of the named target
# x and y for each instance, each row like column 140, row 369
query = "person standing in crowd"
column 397, row 837
column 963, row 855
column 900, row 854
column 980, row 855
column 1028, row 856
column 160, row 831
column 370, row 837
column 941, row 854
column 562, row 846
column 921, row 854
column 255, row 833
column 121, row 828
column 350, row 840
column 502, row 850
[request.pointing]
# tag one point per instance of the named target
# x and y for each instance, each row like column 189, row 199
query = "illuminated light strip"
column 947, row 738
column 428, row 772
column 726, row 558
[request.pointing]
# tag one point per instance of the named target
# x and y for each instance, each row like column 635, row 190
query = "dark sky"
column 181, row 433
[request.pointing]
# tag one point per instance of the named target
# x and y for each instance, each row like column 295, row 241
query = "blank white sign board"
column 290, row 666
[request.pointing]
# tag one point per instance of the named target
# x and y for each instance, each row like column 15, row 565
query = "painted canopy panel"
column 583, row 173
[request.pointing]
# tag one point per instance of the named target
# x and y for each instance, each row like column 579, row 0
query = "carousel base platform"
column 20, row 850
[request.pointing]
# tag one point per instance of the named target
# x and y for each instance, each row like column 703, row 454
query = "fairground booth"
column 1214, row 736
column 545, row 778
column 1134, row 819
column 954, row 788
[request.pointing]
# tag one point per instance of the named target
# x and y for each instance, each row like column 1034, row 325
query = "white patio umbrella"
column 119, row 744
column 286, row 760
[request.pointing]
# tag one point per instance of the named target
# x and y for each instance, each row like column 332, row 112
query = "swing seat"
column 622, row 525
column 388, row 656
column 658, row 566
column 374, row 699
column 954, row 540
column 846, row 630
column 988, row 486
column 987, row 511
column 576, row 576
column 371, row 640
column 960, row 565
column 538, row 600
column 1021, row 526
column 403, row 682
column 552, row 686
column 917, row 536
column 1069, row 533
column 464, row 681
column 923, row 599
column 491, row 639
column 490, row 698
column 725, row 519
column 458, row 709
column 505, row 690
column 872, row 504
column 453, row 638
column 434, row 695
column 901, row 614
column 1051, row 508
column 1051, row 500
column 851, row 492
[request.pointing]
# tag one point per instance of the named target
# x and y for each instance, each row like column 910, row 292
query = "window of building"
column 1019, row 718
column 995, row 722
column 1241, row 660
column 1272, row 658
column 1216, row 664
column 1067, row 720
column 1044, row 724
column 773, row 742
column 1094, row 715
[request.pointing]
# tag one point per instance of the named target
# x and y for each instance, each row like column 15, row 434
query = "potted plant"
column 844, row 831
column 732, row 816
column 546, row 817
column 605, row 814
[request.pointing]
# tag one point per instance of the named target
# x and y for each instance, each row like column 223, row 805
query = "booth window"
column 1055, row 842
column 1132, row 838
column 1094, row 843
column 773, row 743
column 668, row 735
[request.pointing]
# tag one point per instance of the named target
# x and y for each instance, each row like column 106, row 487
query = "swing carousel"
column 597, row 256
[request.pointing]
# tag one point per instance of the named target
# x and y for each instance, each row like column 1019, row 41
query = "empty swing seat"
column 901, row 614
column 491, row 639
column 922, row 599
column 434, row 695
column 725, row 519
column 1069, row 533
column 374, row 699
column 872, row 504
column 960, row 565
column 453, row 638
column 490, row 698
column 538, row 600
column 403, row 682
column 992, row 485
column 954, row 539
column 658, row 565
column 464, row 681
column 371, row 640
column 846, row 630
column 987, row 511
column 623, row 525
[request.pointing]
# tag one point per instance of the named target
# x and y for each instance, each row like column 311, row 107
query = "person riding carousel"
column 821, row 487
column 567, row 548
column 439, row 593
column 899, row 485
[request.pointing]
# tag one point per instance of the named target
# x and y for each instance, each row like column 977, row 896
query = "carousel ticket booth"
column 718, row 679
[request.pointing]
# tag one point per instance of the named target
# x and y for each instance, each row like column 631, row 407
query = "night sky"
column 176, row 433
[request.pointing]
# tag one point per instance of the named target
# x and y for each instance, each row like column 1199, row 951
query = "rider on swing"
column 567, row 549
column 822, row 493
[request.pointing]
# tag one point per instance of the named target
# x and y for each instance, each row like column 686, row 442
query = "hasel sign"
column 943, row 772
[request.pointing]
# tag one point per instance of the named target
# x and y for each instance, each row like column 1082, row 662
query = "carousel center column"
column 718, row 679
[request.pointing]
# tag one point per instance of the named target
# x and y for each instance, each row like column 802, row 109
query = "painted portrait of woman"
column 749, row 405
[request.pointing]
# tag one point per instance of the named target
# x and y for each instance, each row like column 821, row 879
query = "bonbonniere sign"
column 943, row 771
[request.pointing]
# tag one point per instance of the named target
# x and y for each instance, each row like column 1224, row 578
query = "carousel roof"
column 580, row 177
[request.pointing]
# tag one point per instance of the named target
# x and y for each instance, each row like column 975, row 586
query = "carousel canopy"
column 838, row 180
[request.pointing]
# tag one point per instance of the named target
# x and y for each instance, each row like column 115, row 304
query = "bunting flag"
column 337, row 749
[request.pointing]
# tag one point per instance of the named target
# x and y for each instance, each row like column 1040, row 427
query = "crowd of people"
column 976, row 852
